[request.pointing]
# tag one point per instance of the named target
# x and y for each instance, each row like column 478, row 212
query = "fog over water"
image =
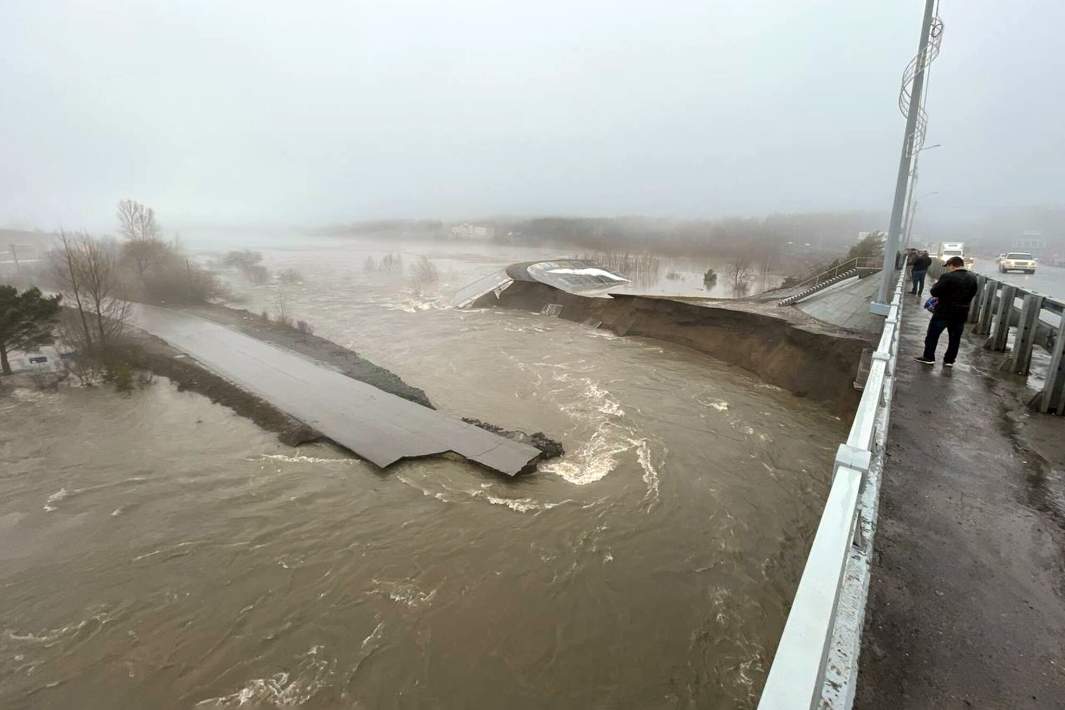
column 285, row 113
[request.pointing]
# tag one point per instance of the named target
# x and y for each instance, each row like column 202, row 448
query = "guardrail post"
column 1003, row 315
column 1025, row 337
column 1054, row 388
column 974, row 313
column 986, row 307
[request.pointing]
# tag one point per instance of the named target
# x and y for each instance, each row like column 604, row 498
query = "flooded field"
column 159, row 551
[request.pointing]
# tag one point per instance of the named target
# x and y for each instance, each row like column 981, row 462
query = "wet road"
column 965, row 606
column 376, row 425
column 1047, row 280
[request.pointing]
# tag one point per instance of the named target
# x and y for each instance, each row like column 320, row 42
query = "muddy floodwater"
column 159, row 551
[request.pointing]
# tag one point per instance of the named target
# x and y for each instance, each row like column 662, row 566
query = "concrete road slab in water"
column 374, row 424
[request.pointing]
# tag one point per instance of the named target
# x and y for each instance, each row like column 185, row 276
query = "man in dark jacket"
column 954, row 291
column 920, row 270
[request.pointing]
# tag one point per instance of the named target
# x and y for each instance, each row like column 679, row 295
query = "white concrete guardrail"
column 816, row 663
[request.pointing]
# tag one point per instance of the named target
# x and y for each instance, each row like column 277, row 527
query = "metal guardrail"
column 1035, row 319
column 860, row 262
column 815, row 664
column 495, row 281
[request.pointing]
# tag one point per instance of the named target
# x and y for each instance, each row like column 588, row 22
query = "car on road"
column 1016, row 261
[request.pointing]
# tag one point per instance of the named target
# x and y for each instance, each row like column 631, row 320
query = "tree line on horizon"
column 688, row 237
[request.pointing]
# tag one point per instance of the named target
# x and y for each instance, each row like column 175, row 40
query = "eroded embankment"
column 805, row 360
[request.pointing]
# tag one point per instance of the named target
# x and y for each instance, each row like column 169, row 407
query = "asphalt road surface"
column 374, row 424
column 1047, row 280
column 965, row 607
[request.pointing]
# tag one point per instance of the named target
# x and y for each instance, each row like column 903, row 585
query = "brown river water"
column 159, row 551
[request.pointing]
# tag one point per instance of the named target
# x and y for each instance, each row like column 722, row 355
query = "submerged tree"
column 710, row 278
column 423, row 274
column 26, row 321
column 739, row 272
column 249, row 263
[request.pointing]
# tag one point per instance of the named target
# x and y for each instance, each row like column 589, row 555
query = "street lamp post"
column 909, row 148
column 913, row 212
column 908, row 220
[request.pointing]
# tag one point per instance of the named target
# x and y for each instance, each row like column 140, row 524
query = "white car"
column 1017, row 261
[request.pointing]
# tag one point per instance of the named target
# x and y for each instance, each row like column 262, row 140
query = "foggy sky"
column 286, row 112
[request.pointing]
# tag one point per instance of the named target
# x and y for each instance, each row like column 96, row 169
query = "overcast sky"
column 311, row 112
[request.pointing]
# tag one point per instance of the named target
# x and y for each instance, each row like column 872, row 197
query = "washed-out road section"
column 374, row 424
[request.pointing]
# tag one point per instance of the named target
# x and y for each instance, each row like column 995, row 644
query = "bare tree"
column 145, row 247
column 281, row 301
column 739, row 272
column 423, row 273
column 137, row 222
column 101, row 282
column 86, row 271
column 65, row 269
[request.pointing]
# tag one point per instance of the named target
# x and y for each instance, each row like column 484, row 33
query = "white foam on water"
column 403, row 592
column 375, row 635
column 50, row 636
column 605, row 334
column 25, row 394
column 299, row 458
column 414, row 304
column 282, row 689
column 594, row 459
column 519, row 505
column 173, row 550
column 650, row 473
column 55, row 498
column 439, row 495
column 597, row 457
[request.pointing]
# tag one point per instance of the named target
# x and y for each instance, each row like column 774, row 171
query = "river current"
column 159, row 551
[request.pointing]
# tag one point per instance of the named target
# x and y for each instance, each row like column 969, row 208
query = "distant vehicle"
column 949, row 250
column 1016, row 261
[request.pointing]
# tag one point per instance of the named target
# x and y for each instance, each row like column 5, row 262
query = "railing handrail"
column 858, row 262
column 797, row 676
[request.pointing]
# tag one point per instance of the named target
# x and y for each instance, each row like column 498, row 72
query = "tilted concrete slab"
column 374, row 424
column 846, row 305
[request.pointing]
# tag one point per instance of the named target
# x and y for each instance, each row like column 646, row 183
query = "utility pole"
column 14, row 255
column 909, row 151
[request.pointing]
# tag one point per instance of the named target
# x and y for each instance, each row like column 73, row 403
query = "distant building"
column 472, row 231
column 1032, row 242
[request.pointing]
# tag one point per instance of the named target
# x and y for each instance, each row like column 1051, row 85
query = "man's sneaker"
column 948, row 364
column 925, row 362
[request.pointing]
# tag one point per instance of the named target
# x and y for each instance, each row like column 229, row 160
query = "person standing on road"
column 920, row 269
column 954, row 291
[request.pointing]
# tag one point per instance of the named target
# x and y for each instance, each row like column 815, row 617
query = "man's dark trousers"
column 918, row 282
column 954, row 326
